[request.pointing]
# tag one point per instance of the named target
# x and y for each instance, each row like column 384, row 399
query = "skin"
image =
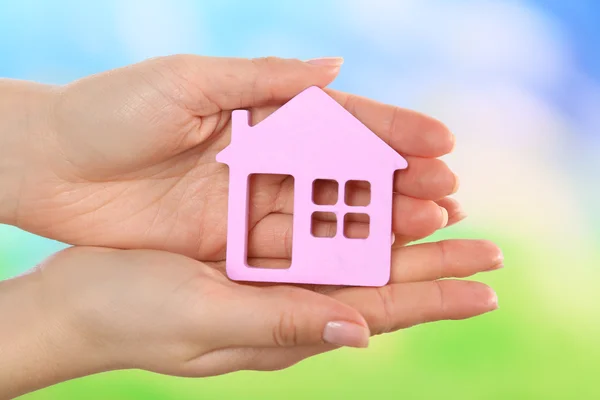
column 123, row 164
column 126, row 158
column 196, row 323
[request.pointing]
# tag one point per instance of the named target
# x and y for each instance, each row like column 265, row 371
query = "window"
column 357, row 193
column 325, row 192
column 323, row 224
column 355, row 223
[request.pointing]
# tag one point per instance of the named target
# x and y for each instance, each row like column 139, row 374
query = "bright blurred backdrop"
column 518, row 82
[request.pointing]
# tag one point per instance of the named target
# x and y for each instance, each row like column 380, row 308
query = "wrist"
column 26, row 114
column 40, row 344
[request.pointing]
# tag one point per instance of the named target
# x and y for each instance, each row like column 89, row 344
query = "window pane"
column 323, row 224
column 357, row 225
column 358, row 193
column 325, row 192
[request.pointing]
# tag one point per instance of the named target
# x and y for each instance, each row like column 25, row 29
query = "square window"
column 325, row 192
column 323, row 224
column 358, row 193
column 357, row 225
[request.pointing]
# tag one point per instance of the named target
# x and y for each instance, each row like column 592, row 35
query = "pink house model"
column 312, row 137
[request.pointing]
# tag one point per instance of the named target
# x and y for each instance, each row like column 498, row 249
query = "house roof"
column 314, row 125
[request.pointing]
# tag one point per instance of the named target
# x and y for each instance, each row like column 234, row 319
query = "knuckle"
column 430, row 217
column 285, row 332
column 175, row 59
column 442, row 248
column 440, row 308
column 265, row 62
column 394, row 124
column 387, row 308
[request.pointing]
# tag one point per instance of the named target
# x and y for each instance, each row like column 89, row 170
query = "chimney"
column 240, row 122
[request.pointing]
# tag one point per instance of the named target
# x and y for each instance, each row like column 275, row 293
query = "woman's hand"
column 87, row 310
column 126, row 158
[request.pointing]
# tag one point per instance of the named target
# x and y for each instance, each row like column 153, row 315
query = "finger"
column 286, row 316
column 428, row 261
column 232, row 83
column 444, row 259
column 454, row 209
column 411, row 217
column 385, row 309
column 408, row 132
column 268, row 193
column 416, row 218
column 426, row 178
column 454, row 212
column 403, row 305
column 272, row 236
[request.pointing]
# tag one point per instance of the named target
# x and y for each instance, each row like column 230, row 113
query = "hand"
column 87, row 310
column 127, row 158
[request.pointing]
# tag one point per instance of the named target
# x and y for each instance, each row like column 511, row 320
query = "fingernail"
column 457, row 212
column 496, row 266
column 393, row 238
column 342, row 333
column 453, row 142
column 444, row 217
column 456, row 184
column 327, row 61
column 456, row 218
column 493, row 300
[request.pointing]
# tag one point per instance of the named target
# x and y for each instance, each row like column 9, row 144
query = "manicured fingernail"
column 327, row 61
column 341, row 333
column 444, row 217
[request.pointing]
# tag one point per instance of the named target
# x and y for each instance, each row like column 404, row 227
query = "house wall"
column 342, row 260
column 237, row 223
column 338, row 260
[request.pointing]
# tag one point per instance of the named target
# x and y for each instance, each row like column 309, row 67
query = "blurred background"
column 518, row 82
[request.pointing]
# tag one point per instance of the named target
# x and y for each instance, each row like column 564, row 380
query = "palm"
column 144, row 174
column 414, row 295
column 196, row 337
column 178, row 204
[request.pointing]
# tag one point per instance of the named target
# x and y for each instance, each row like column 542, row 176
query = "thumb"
column 285, row 316
column 230, row 83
